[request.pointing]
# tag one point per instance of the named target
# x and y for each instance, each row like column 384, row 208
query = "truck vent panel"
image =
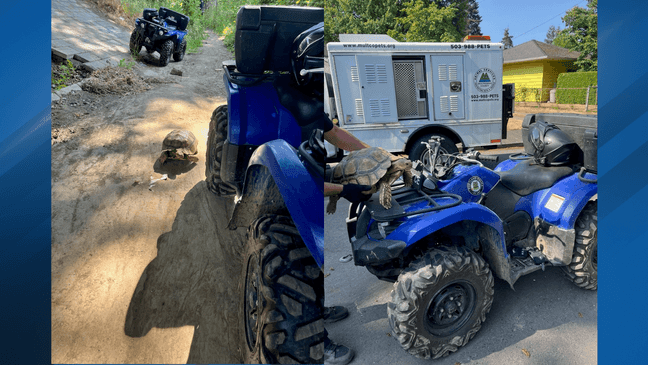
column 452, row 72
column 454, row 104
column 381, row 70
column 443, row 73
column 444, row 104
column 358, row 103
column 370, row 72
column 355, row 77
column 379, row 107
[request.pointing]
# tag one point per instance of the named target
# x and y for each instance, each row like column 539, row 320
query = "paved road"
column 545, row 315
column 81, row 34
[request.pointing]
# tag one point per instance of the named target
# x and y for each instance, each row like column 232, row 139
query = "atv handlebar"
column 487, row 157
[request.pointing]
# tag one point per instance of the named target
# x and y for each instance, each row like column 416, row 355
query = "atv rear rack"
column 404, row 196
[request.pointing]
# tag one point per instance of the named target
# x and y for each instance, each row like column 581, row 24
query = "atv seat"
column 174, row 19
column 526, row 178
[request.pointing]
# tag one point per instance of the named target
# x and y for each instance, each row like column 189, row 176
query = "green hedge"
column 573, row 80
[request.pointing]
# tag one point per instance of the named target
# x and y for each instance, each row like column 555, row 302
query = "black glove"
column 354, row 193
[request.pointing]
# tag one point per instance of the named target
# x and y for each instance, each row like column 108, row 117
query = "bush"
column 567, row 82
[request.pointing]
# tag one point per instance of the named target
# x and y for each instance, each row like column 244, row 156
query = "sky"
column 526, row 19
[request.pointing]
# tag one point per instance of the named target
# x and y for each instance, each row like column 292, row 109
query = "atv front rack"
column 402, row 197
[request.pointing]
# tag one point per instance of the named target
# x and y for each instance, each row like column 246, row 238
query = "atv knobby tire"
column 440, row 301
column 165, row 52
column 583, row 269
column 215, row 141
column 178, row 56
column 283, row 296
column 135, row 43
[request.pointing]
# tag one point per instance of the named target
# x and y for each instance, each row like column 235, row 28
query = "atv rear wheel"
column 283, row 296
column 215, row 141
column 178, row 56
column 440, row 301
column 135, row 43
column 583, row 270
column 165, row 53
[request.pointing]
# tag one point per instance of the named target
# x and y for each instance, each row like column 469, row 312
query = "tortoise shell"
column 363, row 167
column 181, row 140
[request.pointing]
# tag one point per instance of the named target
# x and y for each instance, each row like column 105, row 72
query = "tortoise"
column 179, row 145
column 372, row 166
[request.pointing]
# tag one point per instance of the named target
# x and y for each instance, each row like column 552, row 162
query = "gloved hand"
column 354, row 193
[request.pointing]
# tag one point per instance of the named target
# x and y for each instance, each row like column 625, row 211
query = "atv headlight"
column 143, row 25
column 161, row 32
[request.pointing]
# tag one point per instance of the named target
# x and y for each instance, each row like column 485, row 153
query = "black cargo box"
column 265, row 34
column 583, row 129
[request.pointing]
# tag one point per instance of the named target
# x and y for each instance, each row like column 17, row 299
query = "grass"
column 67, row 70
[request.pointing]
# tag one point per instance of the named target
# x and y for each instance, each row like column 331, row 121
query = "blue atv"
column 258, row 153
column 461, row 222
column 163, row 31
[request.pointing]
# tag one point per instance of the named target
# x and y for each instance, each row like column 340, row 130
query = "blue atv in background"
column 258, row 153
column 444, row 238
column 163, row 31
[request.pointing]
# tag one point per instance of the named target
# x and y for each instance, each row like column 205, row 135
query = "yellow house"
column 534, row 68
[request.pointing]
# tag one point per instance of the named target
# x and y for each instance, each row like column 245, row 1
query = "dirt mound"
column 115, row 80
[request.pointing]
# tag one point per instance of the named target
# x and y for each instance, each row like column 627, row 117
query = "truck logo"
column 484, row 79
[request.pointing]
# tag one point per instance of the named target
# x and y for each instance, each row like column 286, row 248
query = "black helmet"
column 551, row 146
column 308, row 54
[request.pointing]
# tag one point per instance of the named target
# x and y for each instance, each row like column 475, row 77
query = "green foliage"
column 426, row 22
column 124, row 64
column 579, row 80
column 580, row 34
column 406, row 21
column 359, row 17
column 67, row 70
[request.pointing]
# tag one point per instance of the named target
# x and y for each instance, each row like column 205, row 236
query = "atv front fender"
column 491, row 233
column 277, row 182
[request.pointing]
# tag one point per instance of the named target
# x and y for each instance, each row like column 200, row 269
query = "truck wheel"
column 440, row 302
column 135, row 43
column 215, row 141
column 165, row 53
column 583, row 269
column 180, row 54
column 283, row 296
column 419, row 150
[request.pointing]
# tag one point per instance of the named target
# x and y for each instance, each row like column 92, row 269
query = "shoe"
column 335, row 354
column 334, row 314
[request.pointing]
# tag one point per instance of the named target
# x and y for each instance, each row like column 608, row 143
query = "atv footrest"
column 520, row 267
column 370, row 252
column 436, row 200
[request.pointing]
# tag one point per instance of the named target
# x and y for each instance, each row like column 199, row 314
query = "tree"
column 359, row 17
column 551, row 34
column 473, row 20
column 507, row 39
column 427, row 22
column 580, row 34
column 407, row 20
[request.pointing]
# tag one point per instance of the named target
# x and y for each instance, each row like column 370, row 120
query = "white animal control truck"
column 396, row 95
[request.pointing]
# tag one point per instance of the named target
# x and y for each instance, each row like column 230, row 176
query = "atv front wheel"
column 419, row 151
column 178, row 56
column 165, row 53
column 440, row 302
column 135, row 43
column 583, row 269
column 283, row 296
column 215, row 141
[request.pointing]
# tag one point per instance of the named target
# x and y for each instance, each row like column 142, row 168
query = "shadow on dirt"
column 173, row 168
column 194, row 280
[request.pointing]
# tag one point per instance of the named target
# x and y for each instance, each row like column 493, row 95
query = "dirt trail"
column 129, row 260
